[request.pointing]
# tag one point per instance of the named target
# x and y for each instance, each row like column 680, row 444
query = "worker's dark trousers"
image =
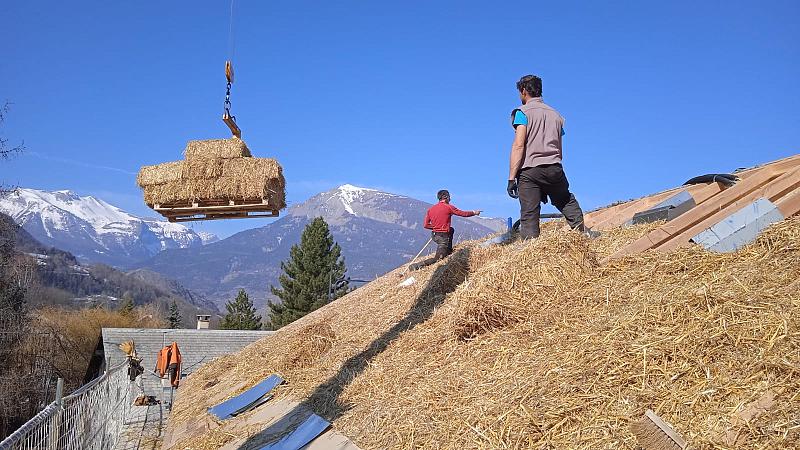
column 444, row 243
column 536, row 182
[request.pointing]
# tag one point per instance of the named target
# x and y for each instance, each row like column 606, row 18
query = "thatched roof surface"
column 537, row 345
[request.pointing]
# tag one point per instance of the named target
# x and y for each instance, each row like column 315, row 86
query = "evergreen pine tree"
column 174, row 318
column 313, row 266
column 127, row 304
column 241, row 314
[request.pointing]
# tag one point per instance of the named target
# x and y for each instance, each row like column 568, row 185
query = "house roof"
column 198, row 347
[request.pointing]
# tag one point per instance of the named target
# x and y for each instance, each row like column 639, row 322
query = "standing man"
column 536, row 172
column 437, row 219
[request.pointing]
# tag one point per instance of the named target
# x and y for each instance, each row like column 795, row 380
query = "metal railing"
column 90, row 418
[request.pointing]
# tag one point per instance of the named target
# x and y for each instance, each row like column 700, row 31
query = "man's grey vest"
column 545, row 125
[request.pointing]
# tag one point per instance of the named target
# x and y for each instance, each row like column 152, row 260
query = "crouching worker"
column 438, row 219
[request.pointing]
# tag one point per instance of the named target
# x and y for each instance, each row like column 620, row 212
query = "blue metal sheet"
column 264, row 399
column 246, row 400
column 740, row 228
column 312, row 427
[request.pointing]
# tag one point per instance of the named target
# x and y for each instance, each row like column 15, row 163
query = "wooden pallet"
column 216, row 210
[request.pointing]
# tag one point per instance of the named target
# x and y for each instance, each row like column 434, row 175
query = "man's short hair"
column 443, row 194
column 530, row 84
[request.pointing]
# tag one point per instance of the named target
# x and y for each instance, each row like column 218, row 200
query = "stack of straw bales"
column 538, row 345
column 214, row 169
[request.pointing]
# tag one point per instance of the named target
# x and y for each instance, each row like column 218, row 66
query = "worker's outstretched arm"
column 517, row 151
column 461, row 213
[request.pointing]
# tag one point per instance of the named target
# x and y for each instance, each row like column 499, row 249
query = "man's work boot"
column 590, row 233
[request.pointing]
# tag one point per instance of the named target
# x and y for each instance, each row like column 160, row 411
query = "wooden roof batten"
column 778, row 182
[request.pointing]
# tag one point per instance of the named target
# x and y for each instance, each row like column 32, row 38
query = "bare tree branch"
column 5, row 151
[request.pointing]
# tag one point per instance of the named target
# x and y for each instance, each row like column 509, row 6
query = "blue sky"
column 408, row 97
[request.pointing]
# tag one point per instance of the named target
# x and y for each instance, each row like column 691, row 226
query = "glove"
column 512, row 189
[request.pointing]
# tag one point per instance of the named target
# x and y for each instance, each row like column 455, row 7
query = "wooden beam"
column 699, row 192
column 614, row 216
column 784, row 164
column 618, row 214
column 789, row 205
column 772, row 191
column 684, row 222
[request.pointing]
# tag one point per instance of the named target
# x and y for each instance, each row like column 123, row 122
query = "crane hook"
column 229, row 119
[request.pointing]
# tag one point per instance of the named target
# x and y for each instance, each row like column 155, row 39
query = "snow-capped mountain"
column 377, row 231
column 207, row 237
column 94, row 230
column 340, row 205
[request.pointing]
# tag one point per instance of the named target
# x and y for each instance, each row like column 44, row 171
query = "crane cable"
column 227, row 117
column 231, row 40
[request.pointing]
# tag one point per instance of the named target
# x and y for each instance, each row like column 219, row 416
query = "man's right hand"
column 512, row 189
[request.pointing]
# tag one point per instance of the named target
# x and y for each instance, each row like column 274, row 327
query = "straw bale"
column 239, row 180
column 215, row 169
column 216, row 148
column 576, row 354
column 255, row 178
column 202, row 168
column 159, row 173
column 173, row 191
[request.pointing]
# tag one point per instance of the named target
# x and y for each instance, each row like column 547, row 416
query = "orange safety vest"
column 169, row 358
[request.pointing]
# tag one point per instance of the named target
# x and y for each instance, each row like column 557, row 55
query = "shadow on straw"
column 325, row 399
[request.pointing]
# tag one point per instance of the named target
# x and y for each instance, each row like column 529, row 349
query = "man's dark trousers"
column 444, row 243
column 536, row 182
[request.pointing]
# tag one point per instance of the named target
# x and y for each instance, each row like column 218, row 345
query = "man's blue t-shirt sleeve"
column 519, row 118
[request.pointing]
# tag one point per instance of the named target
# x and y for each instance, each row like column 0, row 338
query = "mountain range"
column 378, row 231
column 93, row 230
column 56, row 277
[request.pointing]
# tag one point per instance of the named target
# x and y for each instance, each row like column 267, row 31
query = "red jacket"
column 438, row 216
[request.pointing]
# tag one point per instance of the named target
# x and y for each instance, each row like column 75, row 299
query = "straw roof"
column 538, row 345
column 216, row 169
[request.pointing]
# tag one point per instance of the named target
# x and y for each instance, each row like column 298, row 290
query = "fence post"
column 55, row 430
column 60, row 392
